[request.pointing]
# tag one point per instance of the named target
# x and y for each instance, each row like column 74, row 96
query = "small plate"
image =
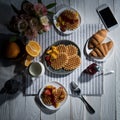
column 87, row 50
column 57, row 85
column 57, row 15
column 61, row 71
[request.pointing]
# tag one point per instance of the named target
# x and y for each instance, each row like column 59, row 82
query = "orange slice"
column 33, row 48
column 28, row 60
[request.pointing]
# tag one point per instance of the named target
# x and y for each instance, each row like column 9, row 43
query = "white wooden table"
column 107, row 106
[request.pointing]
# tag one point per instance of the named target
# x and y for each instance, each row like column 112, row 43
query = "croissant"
column 101, row 50
column 97, row 38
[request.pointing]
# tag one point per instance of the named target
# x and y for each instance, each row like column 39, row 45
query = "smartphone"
column 107, row 17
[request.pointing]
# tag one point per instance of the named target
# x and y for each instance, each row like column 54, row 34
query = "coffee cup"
column 36, row 69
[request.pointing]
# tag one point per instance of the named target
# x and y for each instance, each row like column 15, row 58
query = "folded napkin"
column 89, row 85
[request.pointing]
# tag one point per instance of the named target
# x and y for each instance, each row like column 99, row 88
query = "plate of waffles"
column 67, row 20
column 53, row 95
column 62, row 57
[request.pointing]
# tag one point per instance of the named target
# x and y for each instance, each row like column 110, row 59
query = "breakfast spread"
column 52, row 95
column 99, row 48
column 67, row 57
column 68, row 20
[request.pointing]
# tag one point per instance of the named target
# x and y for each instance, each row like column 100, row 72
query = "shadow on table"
column 13, row 87
column 84, row 77
column 53, row 75
column 42, row 108
column 6, row 12
column 12, row 76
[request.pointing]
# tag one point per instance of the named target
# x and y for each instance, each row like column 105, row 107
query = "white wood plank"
column 17, row 107
column 95, row 102
column 32, row 109
column 108, row 98
column 108, row 108
column 4, row 107
column 45, row 114
column 64, row 112
column 79, row 6
column 90, row 11
column 117, row 61
column 77, row 109
column 91, row 16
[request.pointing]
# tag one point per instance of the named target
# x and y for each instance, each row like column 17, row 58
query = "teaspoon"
column 77, row 92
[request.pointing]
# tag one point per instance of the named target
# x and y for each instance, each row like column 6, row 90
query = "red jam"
column 91, row 69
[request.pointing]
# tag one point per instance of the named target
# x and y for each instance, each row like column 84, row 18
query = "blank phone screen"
column 108, row 17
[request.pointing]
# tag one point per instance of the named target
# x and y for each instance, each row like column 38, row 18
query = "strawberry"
column 47, row 92
column 47, row 58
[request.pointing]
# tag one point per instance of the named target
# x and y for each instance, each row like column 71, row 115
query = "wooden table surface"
column 107, row 106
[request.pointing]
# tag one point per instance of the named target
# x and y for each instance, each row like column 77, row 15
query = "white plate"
column 57, row 15
column 87, row 50
column 61, row 71
column 57, row 85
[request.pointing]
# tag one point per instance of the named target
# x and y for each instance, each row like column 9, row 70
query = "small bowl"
column 57, row 85
column 36, row 69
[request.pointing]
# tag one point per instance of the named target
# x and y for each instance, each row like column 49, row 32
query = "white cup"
column 36, row 69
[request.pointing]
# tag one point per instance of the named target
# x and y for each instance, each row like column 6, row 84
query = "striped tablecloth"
column 89, row 85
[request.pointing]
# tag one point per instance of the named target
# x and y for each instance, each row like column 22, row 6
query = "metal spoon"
column 104, row 71
column 77, row 92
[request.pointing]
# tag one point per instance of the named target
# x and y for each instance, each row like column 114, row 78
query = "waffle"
column 61, row 48
column 71, row 26
column 61, row 60
column 70, row 18
column 46, row 99
column 73, row 62
column 61, row 94
column 71, row 50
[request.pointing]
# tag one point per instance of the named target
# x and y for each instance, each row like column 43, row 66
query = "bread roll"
column 97, row 38
column 101, row 50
